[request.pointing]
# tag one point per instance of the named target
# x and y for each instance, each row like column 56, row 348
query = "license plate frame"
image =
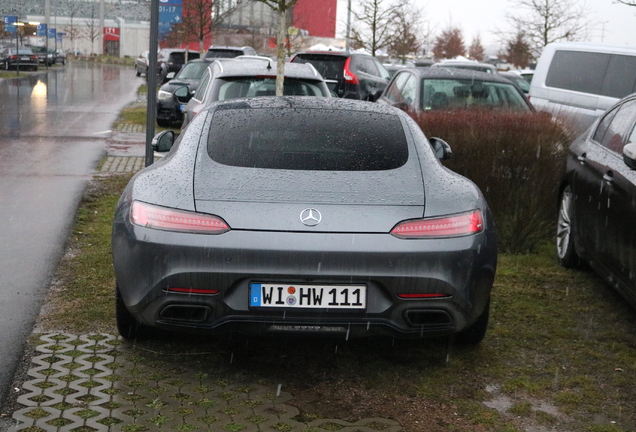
column 266, row 295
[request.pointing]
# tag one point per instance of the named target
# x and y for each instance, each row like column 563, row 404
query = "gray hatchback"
column 303, row 215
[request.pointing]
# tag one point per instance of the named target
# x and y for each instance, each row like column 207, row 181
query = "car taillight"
column 447, row 226
column 168, row 219
column 349, row 76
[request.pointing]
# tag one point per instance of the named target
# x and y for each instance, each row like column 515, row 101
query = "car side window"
column 383, row 73
column 620, row 127
column 394, row 93
column 409, row 91
column 203, row 86
column 603, row 125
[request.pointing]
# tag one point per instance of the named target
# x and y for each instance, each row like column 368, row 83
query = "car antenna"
column 269, row 64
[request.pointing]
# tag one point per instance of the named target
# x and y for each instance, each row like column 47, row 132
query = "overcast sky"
column 616, row 23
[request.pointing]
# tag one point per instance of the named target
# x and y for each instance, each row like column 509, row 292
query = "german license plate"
column 24, row 58
column 308, row 296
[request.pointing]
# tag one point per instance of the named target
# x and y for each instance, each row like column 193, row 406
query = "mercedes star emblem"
column 310, row 217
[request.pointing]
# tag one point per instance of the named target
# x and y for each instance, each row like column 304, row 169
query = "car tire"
column 163, row 123
column 137, row 72
column 566, row 251
column 127, row 325
column 473, row 335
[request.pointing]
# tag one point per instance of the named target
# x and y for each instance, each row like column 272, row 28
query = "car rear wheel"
column 566, row 251
column 137, row 72
column 474, row 334
column 127, row 325
column 163, row 123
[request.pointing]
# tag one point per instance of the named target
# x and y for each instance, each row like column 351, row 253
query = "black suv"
column 172, row 60
column 348, row 75
column 229, row 51
column 168, row 109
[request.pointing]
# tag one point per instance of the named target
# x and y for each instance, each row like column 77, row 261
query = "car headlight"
column 164, row 95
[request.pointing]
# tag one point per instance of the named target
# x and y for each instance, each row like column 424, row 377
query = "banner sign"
column 51, row 33
column 9, row 23
column 170, row 13
column 40, row 30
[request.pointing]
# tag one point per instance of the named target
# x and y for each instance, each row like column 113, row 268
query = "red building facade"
column 318, row 17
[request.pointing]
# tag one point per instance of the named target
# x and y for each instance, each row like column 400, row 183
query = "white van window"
column 603, row 74
column 578, row 71
column 621, row 76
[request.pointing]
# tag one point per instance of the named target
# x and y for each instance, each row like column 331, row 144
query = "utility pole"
column 348, row 36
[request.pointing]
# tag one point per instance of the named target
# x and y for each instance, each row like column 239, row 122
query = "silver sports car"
column 303, row 215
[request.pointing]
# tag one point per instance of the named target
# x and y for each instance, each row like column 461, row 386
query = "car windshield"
column 329, row 66
column 192, row 70
column 232, row 88
column 278, row 139
column 440, row 94
column 223, row 53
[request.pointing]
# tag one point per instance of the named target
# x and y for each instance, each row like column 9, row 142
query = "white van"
column 582, row 80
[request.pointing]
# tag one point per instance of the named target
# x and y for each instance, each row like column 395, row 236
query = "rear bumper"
column 148, row 262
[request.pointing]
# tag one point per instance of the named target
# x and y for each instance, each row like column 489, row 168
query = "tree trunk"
column 280, row 54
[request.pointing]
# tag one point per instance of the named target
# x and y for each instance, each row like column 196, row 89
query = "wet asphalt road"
column 54, row 128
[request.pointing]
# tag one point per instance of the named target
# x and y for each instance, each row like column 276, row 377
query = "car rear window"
column 307, row 139
column 331, row 67
column 254, row 86
column 192, row 70
column 441, row 94
column 223, row 53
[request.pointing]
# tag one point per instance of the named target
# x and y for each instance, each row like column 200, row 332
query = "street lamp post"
column 17, row 46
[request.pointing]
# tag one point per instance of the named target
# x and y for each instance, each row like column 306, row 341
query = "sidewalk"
column 99, row 382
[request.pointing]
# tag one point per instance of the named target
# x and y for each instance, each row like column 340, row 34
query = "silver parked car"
column 234, row 78
column 303, row 215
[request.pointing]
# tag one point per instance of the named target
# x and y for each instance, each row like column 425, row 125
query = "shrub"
column 516, row 159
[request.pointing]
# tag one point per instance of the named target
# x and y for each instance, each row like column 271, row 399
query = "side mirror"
column 441, row 148
column 183, row 95
column 163, row 141
column 629, row 155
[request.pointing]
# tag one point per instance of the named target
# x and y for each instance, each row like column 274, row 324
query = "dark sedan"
column 598, row 200
column 303, row 215
column 23, row 59
column 168, row 109
column 420, row 90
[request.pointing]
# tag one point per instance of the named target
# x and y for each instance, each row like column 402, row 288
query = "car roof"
column 309, row 102
column 441, row 73
column 251, row 67
column 333, row 53
column 228, row 47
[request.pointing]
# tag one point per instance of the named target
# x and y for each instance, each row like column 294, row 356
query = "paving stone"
column 102, row 383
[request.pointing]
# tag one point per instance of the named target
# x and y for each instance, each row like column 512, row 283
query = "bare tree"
column 407, row 26
column 449, row 44
column 476, row 50
column 200, row 17
column 626, row 2
column 547, row 21
column 73, row 30
column 518, row 51
column 377, row 21
column 281, row 7
column 93, row 30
